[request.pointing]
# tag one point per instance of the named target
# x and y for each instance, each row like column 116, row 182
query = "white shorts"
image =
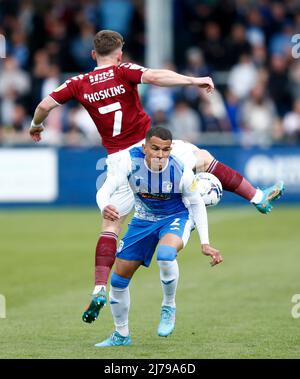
column 184, row 152
column 123, row 198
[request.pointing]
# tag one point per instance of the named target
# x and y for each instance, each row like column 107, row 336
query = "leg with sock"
column 169, row 275
column 105, row 257
column 104, row 260
column 231, row 180
column 234, row 182
column 120, row 303
column 119, row 297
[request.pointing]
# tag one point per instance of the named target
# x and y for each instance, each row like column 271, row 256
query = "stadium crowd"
column 246, row 46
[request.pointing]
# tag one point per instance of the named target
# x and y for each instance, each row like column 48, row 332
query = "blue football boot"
column 92, row 311
column 167, row 321
column 269, row 195
column 115, row 340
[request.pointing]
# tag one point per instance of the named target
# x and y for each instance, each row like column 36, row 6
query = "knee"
column 112, row 226
column 204, row 159
column 166, row 253
column 118, row 281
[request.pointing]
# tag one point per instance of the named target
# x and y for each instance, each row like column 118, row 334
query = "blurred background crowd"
column 246, row 46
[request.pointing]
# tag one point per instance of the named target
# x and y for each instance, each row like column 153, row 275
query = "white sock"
column 257, row 198
column 99, row 288
column 169, row 275
column 119, row 305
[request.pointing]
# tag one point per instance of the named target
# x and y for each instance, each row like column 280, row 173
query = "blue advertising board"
column 68, row 175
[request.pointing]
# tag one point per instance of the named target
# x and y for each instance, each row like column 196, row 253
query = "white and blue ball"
column 210, row 188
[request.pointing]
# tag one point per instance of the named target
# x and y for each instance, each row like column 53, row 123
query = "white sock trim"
column 98, row 288
column 169, row 272
column 123, row 330
column 257, row 198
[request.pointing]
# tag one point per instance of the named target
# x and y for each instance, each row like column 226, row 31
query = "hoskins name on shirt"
column 104, row 94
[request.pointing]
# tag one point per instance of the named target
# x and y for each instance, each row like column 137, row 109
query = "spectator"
column 116, row 15
column 255, row 27
column 280, row 42
column 213, row 46
column 185, row 123
column 278, row 84
column 259, row 56
column 258, row 117
column 242, row 77
column 236, row 45
column 160, row 118
column 159, row 99
column 19, row 49
column 232, row 106
column 294, row 79
column 81, row 47
column 195, row 66
column 214, row 115
column 51, row 81
column 12, row 78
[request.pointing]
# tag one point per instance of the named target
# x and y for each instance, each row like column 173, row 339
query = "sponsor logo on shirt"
column 167, row 187
column 154, row 196
column 102, row 77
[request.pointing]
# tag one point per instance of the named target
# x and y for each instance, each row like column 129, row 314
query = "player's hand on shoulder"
column 110, row 213
column 35, row 131
column 212, row 252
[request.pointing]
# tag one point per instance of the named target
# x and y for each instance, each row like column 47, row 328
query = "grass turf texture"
column 239, row 309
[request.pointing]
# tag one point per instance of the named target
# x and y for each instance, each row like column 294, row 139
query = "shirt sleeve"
column 63, row 93
column 132, row 72
column 196, row 204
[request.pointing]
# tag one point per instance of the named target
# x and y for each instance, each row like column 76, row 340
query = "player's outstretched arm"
column 199, row 214
column 168, row 78
column 40, row 114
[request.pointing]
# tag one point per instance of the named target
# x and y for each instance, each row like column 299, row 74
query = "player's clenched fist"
column 35, row 131
column 212, row 252
column 206, row 83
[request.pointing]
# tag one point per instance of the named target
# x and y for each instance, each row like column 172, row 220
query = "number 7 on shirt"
column 114, row 107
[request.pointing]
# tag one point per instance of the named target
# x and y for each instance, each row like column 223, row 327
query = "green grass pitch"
column 239, row 309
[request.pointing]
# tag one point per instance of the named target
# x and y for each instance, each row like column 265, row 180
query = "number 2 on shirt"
column 116, row 108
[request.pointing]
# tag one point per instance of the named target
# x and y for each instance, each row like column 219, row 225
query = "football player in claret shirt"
column 109, row 93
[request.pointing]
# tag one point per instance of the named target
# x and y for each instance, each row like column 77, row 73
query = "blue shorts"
column 142, row 237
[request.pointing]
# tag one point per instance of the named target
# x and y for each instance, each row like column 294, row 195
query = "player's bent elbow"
column 47, row 104
column 42, row 107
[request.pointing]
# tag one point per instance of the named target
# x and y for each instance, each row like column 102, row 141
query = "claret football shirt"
column 110, row 95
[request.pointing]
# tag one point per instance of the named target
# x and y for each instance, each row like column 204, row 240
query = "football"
column 210, row 188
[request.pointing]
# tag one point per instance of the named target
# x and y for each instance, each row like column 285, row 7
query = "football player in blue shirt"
column 162, row 188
